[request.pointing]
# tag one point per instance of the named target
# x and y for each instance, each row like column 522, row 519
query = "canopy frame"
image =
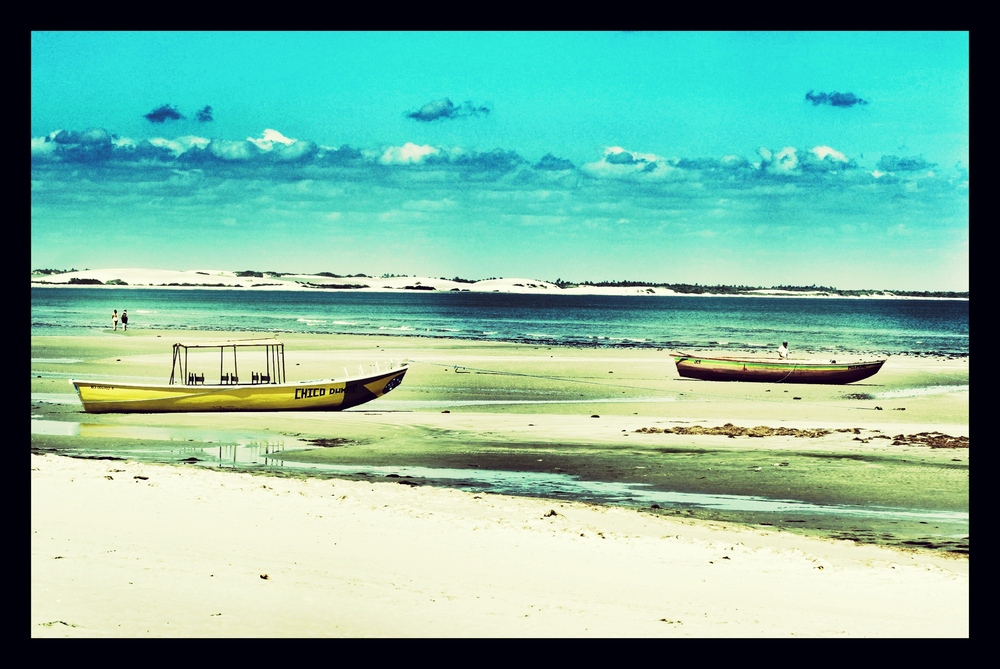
column 274, row 362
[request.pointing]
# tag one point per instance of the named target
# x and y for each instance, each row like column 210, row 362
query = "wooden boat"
column 264, row 390
column 718, row 368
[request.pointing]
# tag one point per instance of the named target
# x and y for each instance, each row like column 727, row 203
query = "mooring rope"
column 477, row 370
column 794, row 367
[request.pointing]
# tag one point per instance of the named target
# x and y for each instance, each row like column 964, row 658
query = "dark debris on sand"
column 931, row 439
column 730, row 430
column 329, row 442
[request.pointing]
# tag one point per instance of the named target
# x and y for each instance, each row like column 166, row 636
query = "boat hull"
column 774, row 371
column 321, row 395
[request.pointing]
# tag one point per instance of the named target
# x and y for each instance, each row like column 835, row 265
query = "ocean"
column 835, row 325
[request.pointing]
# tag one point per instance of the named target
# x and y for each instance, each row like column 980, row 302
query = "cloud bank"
column 289, row 158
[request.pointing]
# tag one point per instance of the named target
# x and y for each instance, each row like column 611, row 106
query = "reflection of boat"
column 265, row 390
column 715, row 368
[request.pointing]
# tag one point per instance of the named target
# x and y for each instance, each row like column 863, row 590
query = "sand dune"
column 159, row 278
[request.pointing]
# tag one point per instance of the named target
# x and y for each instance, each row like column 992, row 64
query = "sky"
column 834, row 159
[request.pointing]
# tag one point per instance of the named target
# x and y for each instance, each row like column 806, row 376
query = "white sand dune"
column 157, row 278
column 161, row 278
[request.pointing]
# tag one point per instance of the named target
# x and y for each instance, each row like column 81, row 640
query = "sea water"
column 821, row 325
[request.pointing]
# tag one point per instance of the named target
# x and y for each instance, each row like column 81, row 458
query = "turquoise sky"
column 803, row 158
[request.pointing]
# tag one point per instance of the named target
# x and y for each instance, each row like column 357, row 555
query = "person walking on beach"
column 114, row 319
column 124, row 319
column 783, row 350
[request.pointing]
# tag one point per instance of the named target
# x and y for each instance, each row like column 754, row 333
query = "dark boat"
column 719, row 368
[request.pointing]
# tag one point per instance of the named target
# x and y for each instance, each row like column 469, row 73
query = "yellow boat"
column 264, row 390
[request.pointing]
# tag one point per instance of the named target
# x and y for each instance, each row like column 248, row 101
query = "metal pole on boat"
column 282, row 374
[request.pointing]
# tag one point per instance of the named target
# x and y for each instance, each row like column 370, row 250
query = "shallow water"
column 253, row 451
column 900, row 393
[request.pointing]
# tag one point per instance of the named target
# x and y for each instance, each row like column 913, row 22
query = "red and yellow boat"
column 767, row 370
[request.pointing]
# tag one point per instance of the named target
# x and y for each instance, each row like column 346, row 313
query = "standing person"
column 124, row 319
column 783, row 350
column 114, row 318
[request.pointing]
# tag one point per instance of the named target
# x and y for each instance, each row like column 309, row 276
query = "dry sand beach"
column 129, row 547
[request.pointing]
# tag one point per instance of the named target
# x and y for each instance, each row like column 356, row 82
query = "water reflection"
column 230, row 449
column 242, row 455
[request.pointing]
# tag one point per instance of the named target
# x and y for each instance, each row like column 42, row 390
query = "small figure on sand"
column 783, row 350
column 114, row 319
column 124, row 319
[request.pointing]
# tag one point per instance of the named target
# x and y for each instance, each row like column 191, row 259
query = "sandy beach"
column 128, row 547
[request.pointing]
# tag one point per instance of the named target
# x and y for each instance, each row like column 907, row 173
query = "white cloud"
column 408, row 153
column 637, row 156
column 823, row 152
column 269, row 138
column 228, row 150
column 42, row 147
column 123, row 143
column 621, row 163
column 785, row 161
column 180, row 144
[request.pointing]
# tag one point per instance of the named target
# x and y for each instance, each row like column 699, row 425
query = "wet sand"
column 899, row 439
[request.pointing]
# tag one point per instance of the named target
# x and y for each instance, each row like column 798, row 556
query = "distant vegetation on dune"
column 698, row 289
